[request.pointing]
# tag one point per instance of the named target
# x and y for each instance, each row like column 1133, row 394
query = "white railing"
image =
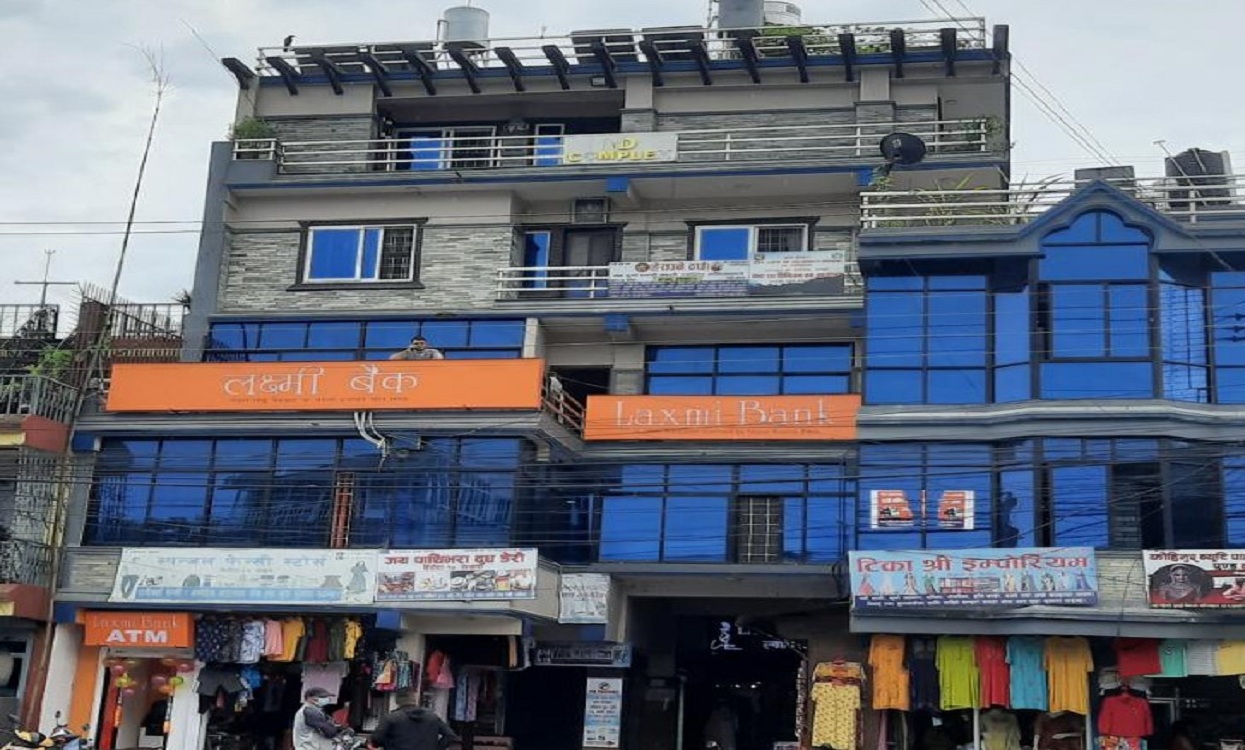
column 674, row 43
column 37, row 396
column 256, row 148
column 784, row 143
column 1192, row 199
column 553, row 282
column 562, row 406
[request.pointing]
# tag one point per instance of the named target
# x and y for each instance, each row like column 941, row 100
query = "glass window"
column 742, row 242
column 360, row 254
column 631, row 528
column 1097, row 380
column 748, row 370
column 695, row 529
column 1079, row 514
column 283, row 336
column 340, row 341
column 751, row 359
column 333, row 336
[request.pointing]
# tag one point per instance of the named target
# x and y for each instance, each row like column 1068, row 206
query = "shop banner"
column 830, row 417
column 1196, row 578
column 616, row 148
column 138, row 629
column 603, row 712
column 1063, row 576
column 819, row 272
column 949, row 510
column 581, row 654
column 239, row 576
column 456, row 575
column 584, row 599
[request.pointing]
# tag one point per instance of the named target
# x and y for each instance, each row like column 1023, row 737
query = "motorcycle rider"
column 313, row 729
column 411, row 727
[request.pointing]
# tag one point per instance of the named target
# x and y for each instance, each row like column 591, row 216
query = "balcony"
column 25, row 562
column 848, row 143
column 1198, row 199
column 811, row 274
column 18, row 321
column 37, row 396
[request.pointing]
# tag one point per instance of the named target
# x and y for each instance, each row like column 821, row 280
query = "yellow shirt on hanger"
column 354, row 632
column 293, row 630
column 958, row 677
column 1068, row 664
column 1232, row 657
column 890, row 679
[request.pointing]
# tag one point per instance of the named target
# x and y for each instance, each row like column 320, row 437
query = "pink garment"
column 328, row 676
column 274, row 638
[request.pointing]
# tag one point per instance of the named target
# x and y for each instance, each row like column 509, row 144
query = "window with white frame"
column 742, row 241
column 361, row 254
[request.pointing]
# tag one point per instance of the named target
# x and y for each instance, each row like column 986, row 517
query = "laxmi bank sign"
column 722, row 417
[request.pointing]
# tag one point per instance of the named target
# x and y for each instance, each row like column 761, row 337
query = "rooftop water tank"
column 782, row 14
column 466, row 27
column 741, row 14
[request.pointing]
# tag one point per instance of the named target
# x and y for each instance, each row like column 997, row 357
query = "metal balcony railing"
column 777, row 143
column 24, row 561
column 39, row 396
column 672, row 43
column 38, row 320
column 1190, row 199
column 591, row 282
column 562, row 406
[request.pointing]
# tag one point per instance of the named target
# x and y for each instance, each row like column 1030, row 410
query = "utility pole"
column 45, row 283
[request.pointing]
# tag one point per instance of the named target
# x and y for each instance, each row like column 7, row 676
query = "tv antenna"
column 46, row 282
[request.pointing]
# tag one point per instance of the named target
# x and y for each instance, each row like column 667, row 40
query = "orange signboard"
column 138, row 629
column 328, row 386
column 721, row 417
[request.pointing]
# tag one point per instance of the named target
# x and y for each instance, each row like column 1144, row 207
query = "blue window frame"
column 749, row 369
column 337, row 254
column 304, row 341
column 742, row 241
column 1227, row 321
column 240, row 492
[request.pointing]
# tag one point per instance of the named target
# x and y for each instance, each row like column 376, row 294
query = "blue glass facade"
column 295, row 341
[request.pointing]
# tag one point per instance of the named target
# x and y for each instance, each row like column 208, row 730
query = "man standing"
column 313, row 729
column 410, row 727
column 418, row 349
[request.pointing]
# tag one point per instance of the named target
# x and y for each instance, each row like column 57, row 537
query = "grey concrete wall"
column 458, row 265
column 314, row 159
column 210, row 261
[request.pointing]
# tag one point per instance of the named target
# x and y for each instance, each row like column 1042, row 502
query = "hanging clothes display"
column 1026, row 660
column 923, row 674
column 1172, row 658
column 890, row 678
column 1068, row 663
column 836, row 693
column 999, row 730
column 1202, row 657
column 1137, row 656
column 1062, row 730
column 1124, row 719
column 995, row 674
column 958, row 676
column 1231, row 657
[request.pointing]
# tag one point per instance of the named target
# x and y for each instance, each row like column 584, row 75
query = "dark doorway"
column 542, row 708
column 582, row 382
column 741, row 690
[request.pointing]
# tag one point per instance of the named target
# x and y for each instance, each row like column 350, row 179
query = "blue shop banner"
column 1063, row 576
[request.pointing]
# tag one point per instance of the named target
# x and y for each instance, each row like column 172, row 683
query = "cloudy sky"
column 74, row 99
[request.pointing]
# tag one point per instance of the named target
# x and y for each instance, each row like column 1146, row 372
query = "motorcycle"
column 61, row 737
column 347, row 740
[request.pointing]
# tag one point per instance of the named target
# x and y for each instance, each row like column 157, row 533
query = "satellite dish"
column 902, row 149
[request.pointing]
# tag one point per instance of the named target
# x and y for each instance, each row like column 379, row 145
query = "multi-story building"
column 700, row 337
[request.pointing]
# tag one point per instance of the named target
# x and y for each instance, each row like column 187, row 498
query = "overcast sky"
column 74, row 100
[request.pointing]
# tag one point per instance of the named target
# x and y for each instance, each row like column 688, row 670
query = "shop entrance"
column 541, row 701
column 741, row 688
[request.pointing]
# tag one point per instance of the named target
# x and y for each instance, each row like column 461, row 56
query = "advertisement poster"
column 456, row 574
column 950, row 510
column 620, row 148
column 240, row 576
column 584, row 599
column 821, row 272
column 1064, row 576
column 1195, row 578
column 603, row 712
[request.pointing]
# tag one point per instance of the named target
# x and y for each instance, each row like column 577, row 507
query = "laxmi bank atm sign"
column 722, row 417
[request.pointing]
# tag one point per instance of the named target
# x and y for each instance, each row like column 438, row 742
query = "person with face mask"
column 313, row 729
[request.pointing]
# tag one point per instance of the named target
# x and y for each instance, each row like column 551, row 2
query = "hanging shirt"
column 253, row 638
column 1172, row 659
column 1125, row 715
column 1061, row 731
column 354, row 634
column 337, row 640
column 1232, row 657
column 1068, row 664
column 999, row 730
column 923, row 674
column 1202, row 657
column 957, row 672
column 211, row 639
column 835, row 715
column 317, row 651
column 995, row 675
column 1026, row 657
column 328, row 676
column 890, row 679
column 274, row 639
column 1137, row 656
column 292, row 631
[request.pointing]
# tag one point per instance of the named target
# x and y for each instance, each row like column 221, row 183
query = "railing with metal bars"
column 25, row 561
column 38, row 396
column 1191, row 199
column 19, row 320
column 670, row 43
column 786, row 143
column 590, row 282
column 562, row 406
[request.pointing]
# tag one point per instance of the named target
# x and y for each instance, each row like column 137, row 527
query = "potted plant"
column 251, row 137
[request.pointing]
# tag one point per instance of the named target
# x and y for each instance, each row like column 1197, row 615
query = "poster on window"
column 819, row 272
column 949, row 510
column 603, row 712
column 1196, row 578
column 456, row 575
column 584, row 599
column 239, row 576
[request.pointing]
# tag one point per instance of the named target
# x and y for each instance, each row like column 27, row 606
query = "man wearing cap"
column 410, row 727
column 313, row 729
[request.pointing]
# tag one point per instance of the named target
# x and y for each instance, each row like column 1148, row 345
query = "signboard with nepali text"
column 831, row 417
column 1063, row 576
column 244, row 576
column 603, row 712
column 1195, row 578
column 326, row 386
column 456, row 575
column 809, row 273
